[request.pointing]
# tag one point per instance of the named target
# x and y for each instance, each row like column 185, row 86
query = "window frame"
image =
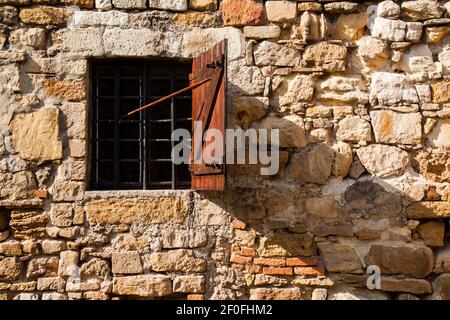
column 145, row 145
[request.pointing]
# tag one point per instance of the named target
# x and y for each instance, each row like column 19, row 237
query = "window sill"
column 90, row 195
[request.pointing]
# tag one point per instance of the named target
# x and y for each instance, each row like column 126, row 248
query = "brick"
column 248, row 251
column 287, row 271
column 302, row 261
column 253, row 269
column 42, row 194
column 309, row 271
column 275, row 262
column 195, row 297
column 240, row 259
column 238, row 224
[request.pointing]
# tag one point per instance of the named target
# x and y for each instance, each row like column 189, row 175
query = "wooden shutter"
column 208, row 106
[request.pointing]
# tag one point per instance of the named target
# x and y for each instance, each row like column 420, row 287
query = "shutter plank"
column 208, row 103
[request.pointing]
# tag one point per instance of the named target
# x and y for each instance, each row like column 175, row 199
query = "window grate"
column 135, row 153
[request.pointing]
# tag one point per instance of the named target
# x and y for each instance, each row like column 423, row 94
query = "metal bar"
column 168, row 97
column 116, row 126
column 96, row 129
column 144, row 128
column 172, row 123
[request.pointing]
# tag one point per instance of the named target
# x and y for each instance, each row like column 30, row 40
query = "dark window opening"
column 135, row 153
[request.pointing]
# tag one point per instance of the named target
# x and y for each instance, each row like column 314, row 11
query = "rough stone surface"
column 157, row 210
column 36, row 135
column 410, row 259
column 312, row 165
column 143, row 286
column 340, row 258
column 396, row 128
column 242, row 12
column 354, row 129
column 176, row 260
column 126, row 263
column 383, row 161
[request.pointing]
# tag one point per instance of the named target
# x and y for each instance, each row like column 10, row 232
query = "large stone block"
column 432, row 232
column 68, row 264
column 44, row 15
column 172, row 239
column 441, row 287
column 8, row 15
column 281, row 11
column 428, row 209
column 368, row 198
column 383, row 161
column 271, row 53
column 142, row 210
column 441, row 92
column 389, row 89
column 245, row 80
column 326, row 55
column 350, row 27
column 143, row 286
column 291, row 130
column 28, row 224
column 340, row 258
column 397, row 128
column 283, row 244
column 415, row 286
column 242, row 12
column 294, row 89
column 421, row 10
column 172, row 5
column 354, row 129
column 391, row 30
column 45, row 266
column 126, row 262
column 402, row 258
column 30, row 37
column 85, row 4
column 312, row 165
column 84, row 41
column 10, row 269
column 130, row 4
column 275, row 293
column 189, row 284
column 176, row 260
column 36, row 135
column 198, row 40
column 91, row 18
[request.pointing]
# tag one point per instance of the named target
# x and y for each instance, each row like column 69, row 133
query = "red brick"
column 42, row 194
column 242, row 12
column 238, row 224
column 236, row 249
column 195, row 297
column 309, row 271
column 253, row 269
column 240, row 259
column 248, row 251
column 275, row 262
column 302, row 261
column 278, row 271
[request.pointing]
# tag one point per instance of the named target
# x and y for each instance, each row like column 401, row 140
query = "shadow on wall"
column 307, row 229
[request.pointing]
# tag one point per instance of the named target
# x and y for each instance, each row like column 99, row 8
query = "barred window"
column 135, row 152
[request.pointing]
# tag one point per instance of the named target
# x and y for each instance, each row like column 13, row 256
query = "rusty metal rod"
column 170, row 96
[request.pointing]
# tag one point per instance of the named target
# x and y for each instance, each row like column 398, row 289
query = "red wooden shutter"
column 208, row 106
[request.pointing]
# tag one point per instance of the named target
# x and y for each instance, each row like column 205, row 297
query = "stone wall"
column 359, row 90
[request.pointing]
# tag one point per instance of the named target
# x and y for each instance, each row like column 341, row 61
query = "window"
column 135, row 152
